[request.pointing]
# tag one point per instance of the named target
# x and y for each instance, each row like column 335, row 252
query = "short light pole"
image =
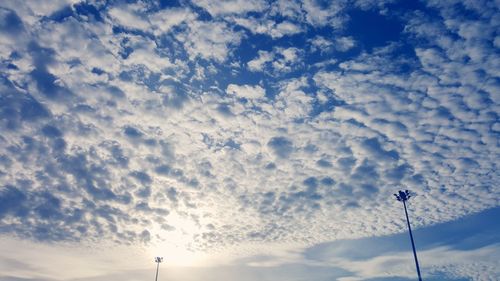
column 157, row 260
column 403, row 196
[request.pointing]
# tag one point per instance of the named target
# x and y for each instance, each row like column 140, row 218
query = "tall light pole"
column 403, row 196
column 157, row 260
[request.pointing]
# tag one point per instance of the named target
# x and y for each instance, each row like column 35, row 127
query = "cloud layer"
column 219, row 124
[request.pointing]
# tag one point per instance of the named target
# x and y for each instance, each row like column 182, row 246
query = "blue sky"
column 248, row 139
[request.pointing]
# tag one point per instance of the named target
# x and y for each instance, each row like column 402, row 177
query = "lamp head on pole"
column 158, row 259
column 403, row 195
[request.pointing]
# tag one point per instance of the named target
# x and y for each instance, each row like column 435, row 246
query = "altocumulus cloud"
column 237, row 122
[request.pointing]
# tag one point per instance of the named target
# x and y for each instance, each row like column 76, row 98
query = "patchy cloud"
column 231, row 7
column 208, row 125
column 246, row 91
column 209, row 40
column 280, row 60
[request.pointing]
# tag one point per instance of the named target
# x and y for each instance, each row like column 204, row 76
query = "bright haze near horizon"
column 249, row 139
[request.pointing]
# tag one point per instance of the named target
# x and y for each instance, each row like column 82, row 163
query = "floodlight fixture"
column 158, row 260
column 403, row 196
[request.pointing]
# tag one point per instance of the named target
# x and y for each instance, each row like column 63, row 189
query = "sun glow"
column 176, row 255
column 174, row 245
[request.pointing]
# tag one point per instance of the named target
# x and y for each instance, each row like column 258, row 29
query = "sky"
column 249, row 139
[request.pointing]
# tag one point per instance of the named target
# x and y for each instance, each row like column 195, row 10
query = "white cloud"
column 288, row 8
column 258, row 63
column 496, row 42
column 321, row 43
column 129, row 16
column 269, row 27
column 74, row 262
column 217, row 8
column 292, row 101
column 455, row 263
column 32, row 10
column 285, row 28
column 209, row 40
column 317, row 15
column 344, row 43
column 246, row 91
column 280, row 60
column 71, row 40
column 164, row 20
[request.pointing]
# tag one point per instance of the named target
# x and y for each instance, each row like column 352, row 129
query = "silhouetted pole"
column 157, row 260
column 403, row 196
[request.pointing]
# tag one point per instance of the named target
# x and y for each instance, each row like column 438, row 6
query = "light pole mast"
column 157, row 260
column 403, row 196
